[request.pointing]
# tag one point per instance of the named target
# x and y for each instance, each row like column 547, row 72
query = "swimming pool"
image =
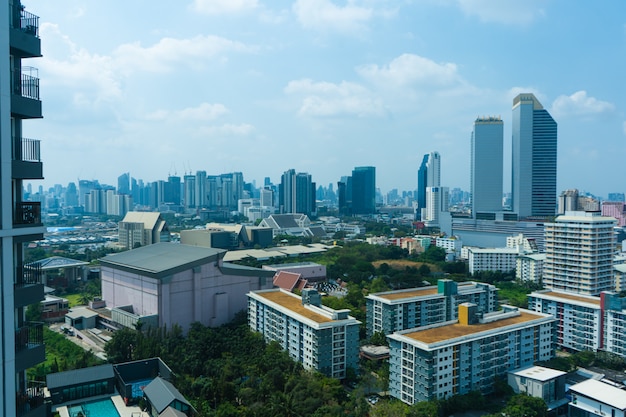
column 101, row 408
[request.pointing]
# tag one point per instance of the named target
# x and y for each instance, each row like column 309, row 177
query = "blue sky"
column 162, row 87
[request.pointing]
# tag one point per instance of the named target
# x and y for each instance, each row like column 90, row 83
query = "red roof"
column 289, row 280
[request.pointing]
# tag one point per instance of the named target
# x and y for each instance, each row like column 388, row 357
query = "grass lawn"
column 73, row 299
column 401, row 264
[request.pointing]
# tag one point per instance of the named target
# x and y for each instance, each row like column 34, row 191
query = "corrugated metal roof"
column 161, row 393
column 161, row 259
column 79, row 376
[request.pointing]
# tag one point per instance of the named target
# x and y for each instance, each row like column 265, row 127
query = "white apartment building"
column 436, row 203
column 579, row 253
column 593, row 398
column 457, row 357
column 393, row 311
column 450, row 244
column 525, row 244
column 529, row 268
column 585, row 322
column 319, row 337
column 492, row 259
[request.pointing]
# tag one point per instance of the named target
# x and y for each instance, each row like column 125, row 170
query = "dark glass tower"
column 364, row 190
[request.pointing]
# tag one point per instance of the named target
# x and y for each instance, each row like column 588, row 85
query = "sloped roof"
column 286, row 280
column 148, row 218
column 162, row 393
column 162, row 259
column 172, row 412
column 318, row 231
column 55, row 262
column 79, row 376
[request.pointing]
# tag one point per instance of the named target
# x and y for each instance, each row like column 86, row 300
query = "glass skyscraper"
column 364, row 190
column 486, row 165
column 534, row 147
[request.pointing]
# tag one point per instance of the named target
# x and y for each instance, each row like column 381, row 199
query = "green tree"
column 523, row 405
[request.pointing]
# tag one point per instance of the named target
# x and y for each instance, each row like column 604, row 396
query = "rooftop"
column 456, row 330
column 570, row 296
column 601, row 392
column 293, row 303
column 415, row 292
column 539, row 373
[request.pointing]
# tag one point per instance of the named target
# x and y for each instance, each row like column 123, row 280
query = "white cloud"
column 228, row 129
column 204, row 112
column 324, row 99
column 408, row 69
column 505, row 12
column 579, row 104
column 220, row 7
column 324, row 15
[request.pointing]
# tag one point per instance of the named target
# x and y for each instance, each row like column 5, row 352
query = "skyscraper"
column 296, row 193
column 421, row 183
column 579, row 253
column 428, row 175
column 22, row 345
column 534, row 148
column 486, row 165
column 123, row 183
column 364, row 190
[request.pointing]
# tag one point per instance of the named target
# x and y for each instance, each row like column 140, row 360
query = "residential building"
column 450, row 244
column 436, row 203
column 486, row 165
column 534, row 151
column 468, row 354
column 393, row 311
column 178, row 284
column 529, row 267
column 22, row 344
column 523, row 243
column 364, row 190
column 492, row 259
column 593, row 398
column 319, row 337
column 540, row 382
column 296, row 193
column 579, row 253
column 141, row 228
column 619, row 272
column 616, row 209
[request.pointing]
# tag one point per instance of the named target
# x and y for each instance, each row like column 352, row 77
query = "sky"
column 159, row 88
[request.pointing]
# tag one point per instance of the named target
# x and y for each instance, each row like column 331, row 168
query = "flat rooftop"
column 539, row 373
column 294, row 304
column 572, row 297
column 417, row 292
column 453, row 331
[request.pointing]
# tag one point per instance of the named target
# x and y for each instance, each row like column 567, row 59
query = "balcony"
column 24, row 33
column 27, row 159
column 29, row 347
column 30, row 403
column 25, row 102
column 28, row 285
column 27, row 213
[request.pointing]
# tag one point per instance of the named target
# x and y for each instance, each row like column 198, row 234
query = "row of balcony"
column 31, row 401
column 27, row 213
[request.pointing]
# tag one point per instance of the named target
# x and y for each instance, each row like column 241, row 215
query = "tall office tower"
column 22, row 345
column 123, row 183
column 433, row 170
column 579, row 253
column 267, row 197
column 296, row 193
column 189, row 187
column 71, row 195
column 616, row 197
column 436, row 202
column 534, row 158
column 364, row 190
column 172, row 190
column 201, row 189
column 421, row 184
column 486, row 165
column 85, row 187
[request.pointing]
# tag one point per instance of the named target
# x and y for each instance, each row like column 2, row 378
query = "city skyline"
column 324, row 86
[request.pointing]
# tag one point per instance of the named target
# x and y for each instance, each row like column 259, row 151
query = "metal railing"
column 31, row 398
column 28, row 336
column 27, row 213
column 25, row 84
column 25, row 21
column 28, row 150
column 28, row 274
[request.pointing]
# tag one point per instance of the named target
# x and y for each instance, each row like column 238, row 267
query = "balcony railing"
column 32, row 398
column 28, row 150
column 26, row 84
column 28, row 336
column 25, row 21
column 28, row 274
column 27, row 213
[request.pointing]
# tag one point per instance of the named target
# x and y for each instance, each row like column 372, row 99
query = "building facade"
column 364, row 190
column 487, row 152
column 592, row 398
column 492, row 259
column 454, row 358
column 320, row 338
column 22, row 344
column 529, row 267
column 579, row 253
column 534, row 151
column 394, row 311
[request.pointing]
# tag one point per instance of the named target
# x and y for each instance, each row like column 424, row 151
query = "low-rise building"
column 311, row 271
column 541, row 382
column 593, row 398
column 467, row 354
column 529, row 267
column 393, row 311
column 319, row 337
column 492, row 259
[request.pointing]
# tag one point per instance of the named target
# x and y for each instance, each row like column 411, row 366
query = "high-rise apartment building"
column 579, row 253
column 22, row 345
column 486, row 165
column 428, row 175
column 201, row 189
column 296, row 193
column 534, row 151
column 189, row 191
column 364, row 190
